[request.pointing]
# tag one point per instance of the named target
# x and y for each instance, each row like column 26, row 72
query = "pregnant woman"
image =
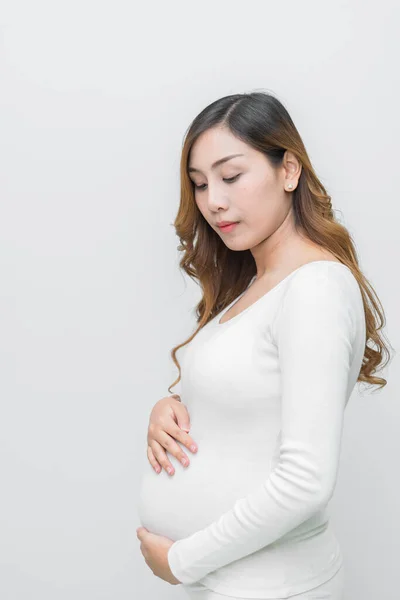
column 283, row 334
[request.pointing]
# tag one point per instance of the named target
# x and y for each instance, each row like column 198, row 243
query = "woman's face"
column 255, row 198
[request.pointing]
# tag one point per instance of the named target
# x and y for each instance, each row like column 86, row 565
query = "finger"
column 181, row 436
column 182, row 416
column 161, row 457
column 153, row 461
column 169, row 442
column 168, row 427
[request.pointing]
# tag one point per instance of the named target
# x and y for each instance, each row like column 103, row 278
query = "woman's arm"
column 314, row 334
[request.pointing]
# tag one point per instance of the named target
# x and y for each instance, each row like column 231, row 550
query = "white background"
column 95, row 98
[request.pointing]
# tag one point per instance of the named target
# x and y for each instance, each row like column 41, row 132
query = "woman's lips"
column 227, row 228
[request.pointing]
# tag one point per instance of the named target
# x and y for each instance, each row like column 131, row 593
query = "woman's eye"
column 228, row 180
column 232, row 179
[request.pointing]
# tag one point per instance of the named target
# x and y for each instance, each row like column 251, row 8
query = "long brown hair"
column 261, row 120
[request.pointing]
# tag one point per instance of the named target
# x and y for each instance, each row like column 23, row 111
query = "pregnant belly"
column 176, row 506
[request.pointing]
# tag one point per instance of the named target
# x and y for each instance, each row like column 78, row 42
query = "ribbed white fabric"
column 266, row 392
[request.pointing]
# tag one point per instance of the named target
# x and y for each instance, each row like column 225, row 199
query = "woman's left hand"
column 155, row 550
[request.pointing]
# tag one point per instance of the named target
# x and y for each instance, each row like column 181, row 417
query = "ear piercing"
column 290, row 186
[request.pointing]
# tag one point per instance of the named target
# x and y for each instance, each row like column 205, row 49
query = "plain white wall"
column 95, row 100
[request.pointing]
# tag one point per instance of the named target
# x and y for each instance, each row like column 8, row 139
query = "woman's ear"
column 292, row 168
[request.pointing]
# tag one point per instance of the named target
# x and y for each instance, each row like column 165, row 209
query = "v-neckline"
column 276, row 286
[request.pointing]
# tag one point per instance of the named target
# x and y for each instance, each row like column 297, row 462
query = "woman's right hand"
column 169, row 421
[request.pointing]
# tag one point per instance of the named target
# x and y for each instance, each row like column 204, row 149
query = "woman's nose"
column 216, row 200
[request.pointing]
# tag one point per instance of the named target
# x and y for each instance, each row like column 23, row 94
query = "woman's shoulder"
column 322, row 277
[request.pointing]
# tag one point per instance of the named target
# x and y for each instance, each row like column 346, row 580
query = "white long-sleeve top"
column 266, row 393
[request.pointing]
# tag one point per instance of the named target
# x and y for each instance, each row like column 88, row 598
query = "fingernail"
column 193, row 448
column 170, row 471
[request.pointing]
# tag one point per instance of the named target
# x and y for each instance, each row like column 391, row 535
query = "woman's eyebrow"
column 216, row 163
